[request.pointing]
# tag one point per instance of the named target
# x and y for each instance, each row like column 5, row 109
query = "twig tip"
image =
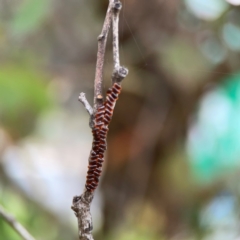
column 117, row 6
column 119, row 74
column 81, row 96
column 101, row 37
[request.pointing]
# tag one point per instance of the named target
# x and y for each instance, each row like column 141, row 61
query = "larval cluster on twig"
column 100, row 117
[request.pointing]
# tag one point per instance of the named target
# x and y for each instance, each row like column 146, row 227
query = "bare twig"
column 15, row 225
column 119, row 72
column 115, row 22
column 82, row 98
column 81, row 204
column 102, row 40
column 84, row 101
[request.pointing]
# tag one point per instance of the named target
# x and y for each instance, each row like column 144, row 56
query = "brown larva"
column 103, row 117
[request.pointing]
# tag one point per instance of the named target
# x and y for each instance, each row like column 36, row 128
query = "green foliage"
column 184, row 62
column 34, row 219
column 23, row 96
column 231, row 35
column 215, row 143
column 19, row 210
column 7, row 232
column 30, row 16
column 136, row 234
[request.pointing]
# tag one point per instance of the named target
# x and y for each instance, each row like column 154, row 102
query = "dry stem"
column 81, row 204
column 102, row 40
column 119, row 72
column 84, row 101
column 82, row 98
column 15, row 224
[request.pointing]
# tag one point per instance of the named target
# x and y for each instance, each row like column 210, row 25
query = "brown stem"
column 102, row 40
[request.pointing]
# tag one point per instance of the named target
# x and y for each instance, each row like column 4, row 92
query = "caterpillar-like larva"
column 112, row 96
column 103, row 117
column 95, row 162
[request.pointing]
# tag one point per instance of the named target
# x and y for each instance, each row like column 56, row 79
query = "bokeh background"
column 173, row 160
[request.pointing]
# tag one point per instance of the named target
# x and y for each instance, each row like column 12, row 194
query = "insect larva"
column 90, row 177
column 102, row 119
column 94, row 184
column 99, row 135
column 107, row 119
column 104, row 128
column 110, row 99
column 114, row 95
column 102, row 148
column 99, row 170
column 108, row 112
column 116, row 90
column 90, row 171
column 108, row 108
column 97, row 174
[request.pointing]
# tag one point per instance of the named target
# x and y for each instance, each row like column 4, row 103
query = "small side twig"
column 15, row 224
column 84, row 101
column 82, row 98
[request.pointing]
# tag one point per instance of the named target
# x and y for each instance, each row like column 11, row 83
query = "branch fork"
column 100, row 117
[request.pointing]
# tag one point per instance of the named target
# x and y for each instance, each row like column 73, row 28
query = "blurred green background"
column 173, row 159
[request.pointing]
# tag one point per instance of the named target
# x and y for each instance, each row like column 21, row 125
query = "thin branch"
column 15, row 225
column 81, row 204
column 115, row 22
column 82, row 98
column 119, row 72
column 102, row 40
